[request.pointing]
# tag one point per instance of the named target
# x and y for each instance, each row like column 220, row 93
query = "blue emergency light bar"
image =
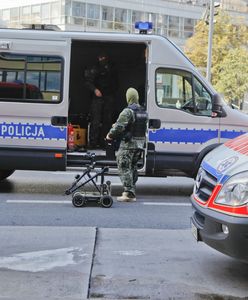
column 143, row 27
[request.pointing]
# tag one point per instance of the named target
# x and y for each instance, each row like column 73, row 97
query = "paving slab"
column 163, row 264
column 45, row 262
column 54, row 263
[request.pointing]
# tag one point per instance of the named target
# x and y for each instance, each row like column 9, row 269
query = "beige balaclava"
column 132, row 96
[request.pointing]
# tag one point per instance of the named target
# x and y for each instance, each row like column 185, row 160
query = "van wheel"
column 5, row 174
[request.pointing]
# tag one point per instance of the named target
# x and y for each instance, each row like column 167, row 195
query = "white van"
column 47, row 67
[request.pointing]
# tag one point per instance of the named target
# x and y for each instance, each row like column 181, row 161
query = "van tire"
column 5, row 174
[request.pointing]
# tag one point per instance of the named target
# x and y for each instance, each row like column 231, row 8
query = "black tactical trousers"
column 101, row 119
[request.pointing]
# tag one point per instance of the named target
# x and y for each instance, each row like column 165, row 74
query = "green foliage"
column 229, row 54
column 233, row 74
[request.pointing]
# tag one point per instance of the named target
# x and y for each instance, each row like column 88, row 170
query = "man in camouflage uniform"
column 130, row 149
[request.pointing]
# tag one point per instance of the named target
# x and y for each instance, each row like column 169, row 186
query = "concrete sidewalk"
column 56, row 263
column 45, row 262
column 163, row 264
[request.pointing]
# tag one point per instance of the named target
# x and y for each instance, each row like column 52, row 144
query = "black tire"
column 5, row 174
column 106, row 201
column 78, row 200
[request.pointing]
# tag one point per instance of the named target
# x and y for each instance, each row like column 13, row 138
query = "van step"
column 82, row 159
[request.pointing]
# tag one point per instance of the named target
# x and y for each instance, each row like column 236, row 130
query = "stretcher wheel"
column 78, row 200
column 106, row 201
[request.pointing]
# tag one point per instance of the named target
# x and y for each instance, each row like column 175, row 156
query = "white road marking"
column 69, row 201
column 130, row 252
column 167, row 204
column 39, row 201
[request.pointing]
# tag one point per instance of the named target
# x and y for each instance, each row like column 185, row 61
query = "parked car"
column 220, row 199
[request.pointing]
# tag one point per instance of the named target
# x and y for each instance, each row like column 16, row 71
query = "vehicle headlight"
column 235, row 191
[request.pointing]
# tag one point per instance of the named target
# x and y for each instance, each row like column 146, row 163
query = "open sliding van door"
column 33, row 100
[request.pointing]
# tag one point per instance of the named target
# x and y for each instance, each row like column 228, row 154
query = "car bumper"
column 207, row 226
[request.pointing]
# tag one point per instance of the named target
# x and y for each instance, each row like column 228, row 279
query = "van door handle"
column 59, row 121
column 154, row 123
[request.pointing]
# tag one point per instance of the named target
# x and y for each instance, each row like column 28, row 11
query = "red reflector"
column 58, row 155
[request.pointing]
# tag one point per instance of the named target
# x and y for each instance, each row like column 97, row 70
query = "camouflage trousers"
column 127, row 166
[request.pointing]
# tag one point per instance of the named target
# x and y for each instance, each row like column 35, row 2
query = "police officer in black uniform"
column 101, row 80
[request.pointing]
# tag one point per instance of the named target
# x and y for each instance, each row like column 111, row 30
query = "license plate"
column 195, row 231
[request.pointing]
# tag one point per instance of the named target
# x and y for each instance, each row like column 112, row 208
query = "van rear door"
column 33, row 102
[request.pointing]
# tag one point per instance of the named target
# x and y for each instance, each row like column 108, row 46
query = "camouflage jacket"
column 118, row 129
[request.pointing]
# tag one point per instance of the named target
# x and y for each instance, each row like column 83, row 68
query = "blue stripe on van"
column 31, row 131
column 184, row 136
column 228, row 134
column 194, row 136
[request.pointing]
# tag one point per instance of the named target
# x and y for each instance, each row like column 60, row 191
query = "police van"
column 220, row 199
column 187, row 118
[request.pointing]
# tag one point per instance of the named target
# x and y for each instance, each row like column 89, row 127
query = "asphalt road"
column 144, row 250
column 37, row 199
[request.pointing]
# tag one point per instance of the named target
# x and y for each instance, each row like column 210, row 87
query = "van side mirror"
column 154, row 123
column 234, row 106
column 217, row 107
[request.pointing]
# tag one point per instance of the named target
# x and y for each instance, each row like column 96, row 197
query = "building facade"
column 173, row 18
column 240, row 6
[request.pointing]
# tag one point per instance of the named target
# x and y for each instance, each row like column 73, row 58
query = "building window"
column 6, row 15
column 121, row 19
column 188, row 28
column 120, row 15
column 93, row 11
column 14, row 14
column 137, row 16
column 35, row 9
column 26, row 14
column 151, row 17
column 78, row 9
column 66, row 7
column 93, row 15
column 26, row 10
column 165, row 25
column 173, row 26
column 55, row 9
column 107, row 17
column 45, row 12
column 35, row 14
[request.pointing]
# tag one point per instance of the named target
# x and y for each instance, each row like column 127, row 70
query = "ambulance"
column 220, row 199
column 43, row 93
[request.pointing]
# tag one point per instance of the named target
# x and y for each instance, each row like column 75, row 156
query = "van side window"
column 179, row 89
column 30, row 78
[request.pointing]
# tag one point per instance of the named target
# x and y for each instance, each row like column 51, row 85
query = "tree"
column 230, row 49
column 232, row 78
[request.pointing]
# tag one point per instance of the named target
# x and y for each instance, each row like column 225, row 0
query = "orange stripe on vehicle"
column 211, row 198
column 237, row 140
column 231, row 210
column 244, row 150
column 240, row 145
